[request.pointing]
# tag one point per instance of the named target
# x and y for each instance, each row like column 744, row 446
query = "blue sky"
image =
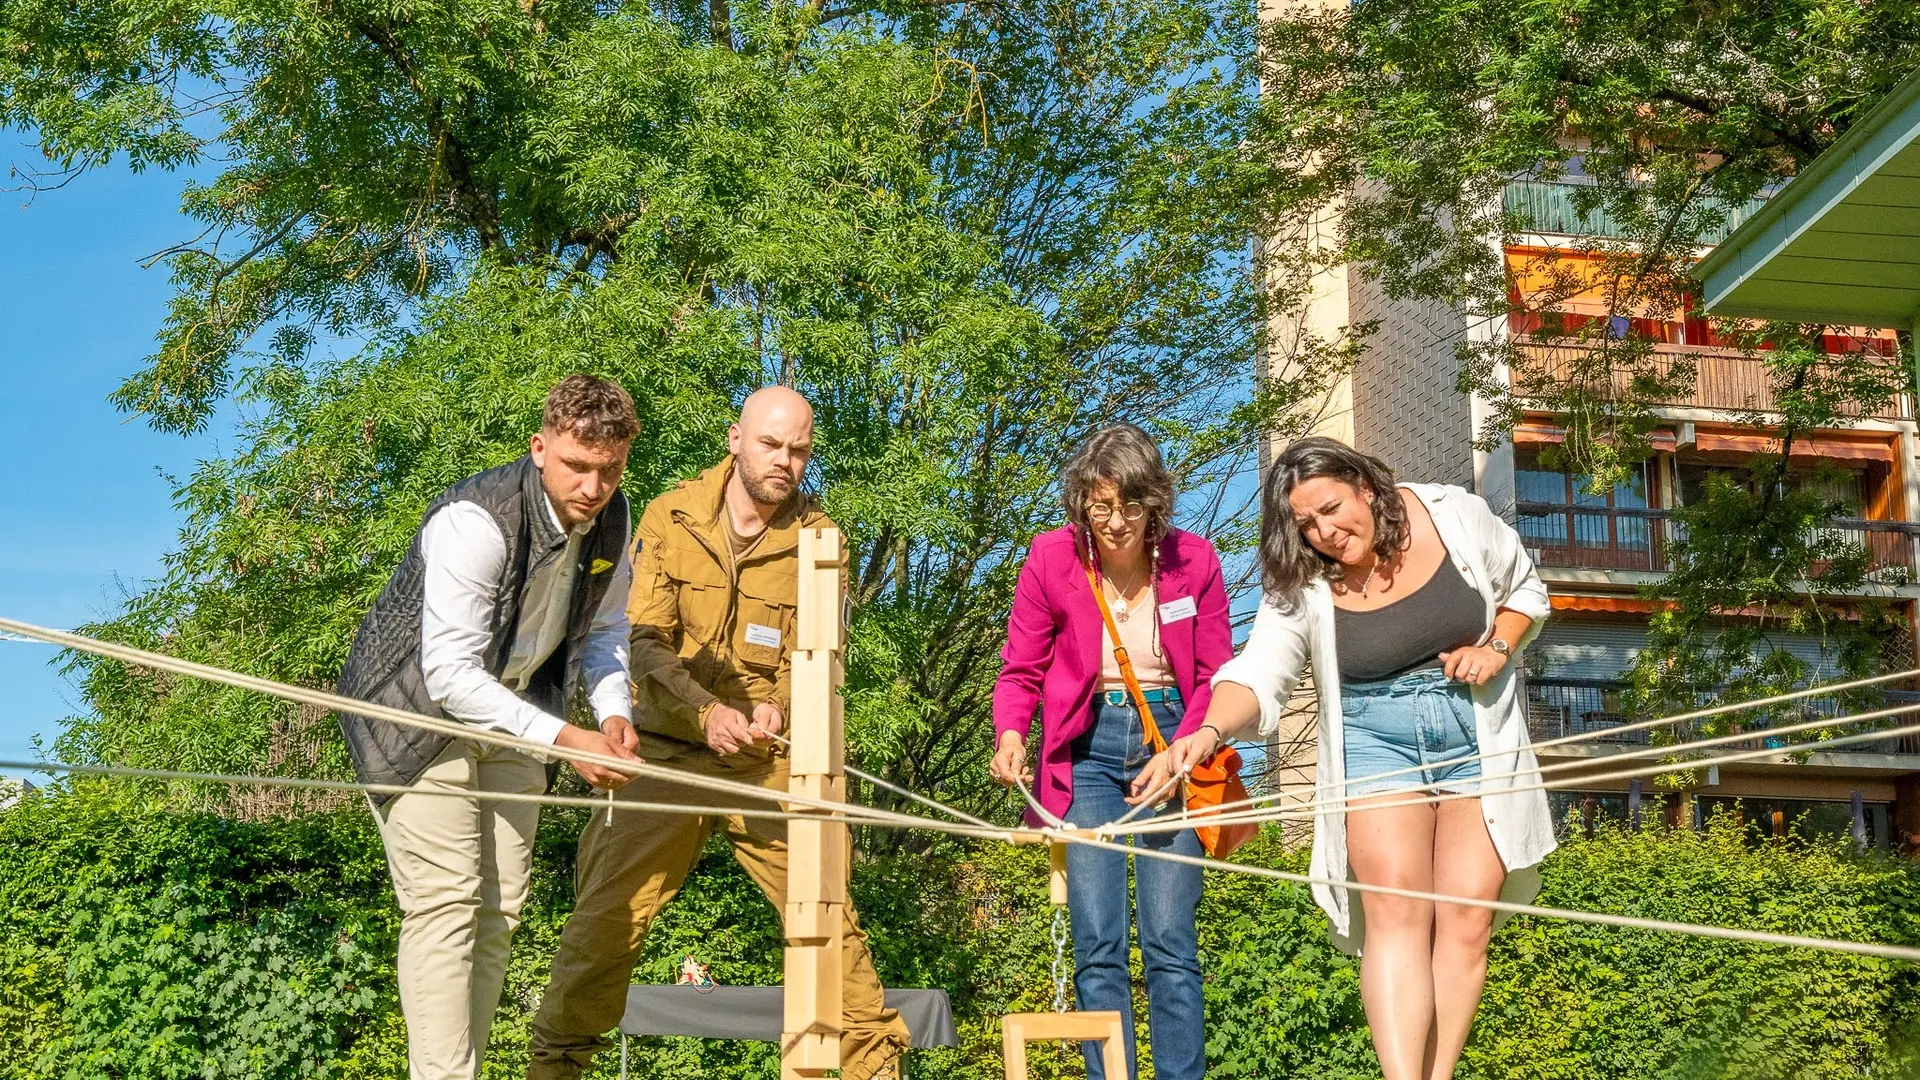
column 87, row 512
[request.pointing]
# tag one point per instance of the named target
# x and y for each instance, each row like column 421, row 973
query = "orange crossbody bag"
column 1212, row 782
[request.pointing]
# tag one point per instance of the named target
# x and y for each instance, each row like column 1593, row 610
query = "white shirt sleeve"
column 605, row 667
column 466, row 560
column 1516, row 584
column 1272, row 660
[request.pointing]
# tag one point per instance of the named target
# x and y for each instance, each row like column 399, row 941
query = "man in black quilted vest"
column 512, row 598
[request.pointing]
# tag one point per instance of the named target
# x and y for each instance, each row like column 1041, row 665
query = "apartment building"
column 1595, row 552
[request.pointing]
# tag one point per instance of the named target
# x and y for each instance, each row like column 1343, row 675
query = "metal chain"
column 1060, row 959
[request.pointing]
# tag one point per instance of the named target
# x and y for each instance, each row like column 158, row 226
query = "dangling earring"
column 1153, row 592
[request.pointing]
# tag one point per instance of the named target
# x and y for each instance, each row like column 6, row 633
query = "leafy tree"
column 1678, row 119
column 969, row 235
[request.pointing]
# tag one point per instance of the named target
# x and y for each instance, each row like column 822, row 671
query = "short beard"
column 759, row 491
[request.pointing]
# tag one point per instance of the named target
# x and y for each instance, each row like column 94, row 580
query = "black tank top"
column 1409, row 634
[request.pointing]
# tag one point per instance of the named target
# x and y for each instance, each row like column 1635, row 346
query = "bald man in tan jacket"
column 714, row 595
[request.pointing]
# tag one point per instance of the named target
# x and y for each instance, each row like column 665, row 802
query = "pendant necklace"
column 1120, row 611
column 1368, row 580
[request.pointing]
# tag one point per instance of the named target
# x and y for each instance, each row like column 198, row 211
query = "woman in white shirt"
column 1407, row 602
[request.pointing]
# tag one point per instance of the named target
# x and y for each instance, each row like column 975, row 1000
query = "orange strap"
column 1152, row 729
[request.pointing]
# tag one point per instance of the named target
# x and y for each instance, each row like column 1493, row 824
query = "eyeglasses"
column 1100, row 512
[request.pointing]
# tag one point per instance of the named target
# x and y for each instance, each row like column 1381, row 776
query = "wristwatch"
column 1500, row 647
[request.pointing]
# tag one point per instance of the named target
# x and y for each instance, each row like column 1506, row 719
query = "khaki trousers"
column 460, row 870
column 630, row 870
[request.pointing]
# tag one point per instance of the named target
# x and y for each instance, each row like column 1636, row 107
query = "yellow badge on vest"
column 601, row 566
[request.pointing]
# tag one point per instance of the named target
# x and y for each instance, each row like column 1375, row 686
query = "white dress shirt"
column 466, row 558
column 1287, row 640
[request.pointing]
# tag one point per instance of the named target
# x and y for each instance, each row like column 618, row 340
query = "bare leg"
column 1394, row 846
column 1465, row 864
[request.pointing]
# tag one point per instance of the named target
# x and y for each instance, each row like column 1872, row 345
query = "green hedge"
column 140, row 943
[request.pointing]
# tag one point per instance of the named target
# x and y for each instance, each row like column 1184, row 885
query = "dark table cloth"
column 758, row 1012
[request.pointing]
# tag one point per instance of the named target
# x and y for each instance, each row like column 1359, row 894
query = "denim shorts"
column 1421, row 723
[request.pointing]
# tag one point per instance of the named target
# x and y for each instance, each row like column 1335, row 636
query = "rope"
column 1613, row 732
column 1628, row 922
column 1055, row 834
column 455, row 729
column 926, row 801
column 1166, row 787
column 1587, row 778
column 482, row 795
column 852, row 813
column 1033, row 804
column 872, row 816
column 1318, row 805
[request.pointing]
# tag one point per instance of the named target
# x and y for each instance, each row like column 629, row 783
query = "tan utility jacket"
column 703, row 628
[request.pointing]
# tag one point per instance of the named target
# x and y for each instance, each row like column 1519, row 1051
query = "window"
column 1564, row 524
column 1848, row 487
column 1580, row 812
column 1807, row 819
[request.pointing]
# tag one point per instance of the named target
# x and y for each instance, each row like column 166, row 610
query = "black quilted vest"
column 384, row 666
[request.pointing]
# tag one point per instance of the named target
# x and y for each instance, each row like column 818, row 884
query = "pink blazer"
column 1052, row 657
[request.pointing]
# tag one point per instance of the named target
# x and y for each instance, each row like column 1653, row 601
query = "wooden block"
column 820, row 622
column 813, row 998
column 817, row 786
column 808, row 1054
column 816, row 861
column 818, row 724
column 1106, row 1028
column 1057, row 873
column 811, row 921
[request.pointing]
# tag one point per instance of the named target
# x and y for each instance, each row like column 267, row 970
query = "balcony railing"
column 1723, row 379
column 1558, row 707
column 1546, row 206
column 1628, row 538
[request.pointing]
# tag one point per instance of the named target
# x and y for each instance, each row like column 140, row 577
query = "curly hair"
column 1287, row 562
column 1128, row 457
column 591, row 410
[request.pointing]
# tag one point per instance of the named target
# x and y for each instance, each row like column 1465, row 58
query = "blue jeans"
column 1105, row 761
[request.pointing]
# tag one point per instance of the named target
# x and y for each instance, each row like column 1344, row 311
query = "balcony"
column 1546, row 206
column 1559, row 707
column 1723, row 379
column 1627, row 538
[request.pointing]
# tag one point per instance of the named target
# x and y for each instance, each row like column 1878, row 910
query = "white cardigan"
column 1489, row 554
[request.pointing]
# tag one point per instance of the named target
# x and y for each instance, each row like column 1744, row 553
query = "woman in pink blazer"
column 1169, row 602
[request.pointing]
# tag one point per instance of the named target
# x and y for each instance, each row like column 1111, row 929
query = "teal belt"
column 1158, row 695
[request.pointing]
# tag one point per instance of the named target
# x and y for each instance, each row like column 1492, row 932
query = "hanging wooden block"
column 1106, row 1028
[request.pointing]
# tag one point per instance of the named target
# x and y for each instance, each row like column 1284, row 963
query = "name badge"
column 763, row 635
column 1175, row 610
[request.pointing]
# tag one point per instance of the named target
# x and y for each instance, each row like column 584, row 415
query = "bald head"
column 775, row 406
column 771, row 444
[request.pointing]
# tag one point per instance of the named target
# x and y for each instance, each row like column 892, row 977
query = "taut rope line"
column 1337, row 802
column 1584, row 736
column 868, row 815
column 455, row 729
column 1589, row 778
